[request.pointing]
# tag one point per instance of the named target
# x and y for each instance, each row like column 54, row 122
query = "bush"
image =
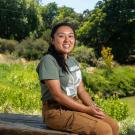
column 19, row 89
column 121, row 81
column 84, row 55
column 96, row 81
column 32, row 49
column 107, row 56
column 113, row 107
column 25, row 77
column 127, row 126
column 7, row 46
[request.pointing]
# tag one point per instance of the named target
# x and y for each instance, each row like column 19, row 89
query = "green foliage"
column 121, row 81
column 90, row 32
column 19, row 95
column 49, row 13
column 46, row 35
column 111, row 24
column 32, row 49
column 19, row 18
column 66, row 14
column 96, row 81
column 18, row 100
column 7, row 46
column 20, row 77
column 113, row 107
column 127, row 126
column 107, row 56
column 130, row 101
column 84, row 55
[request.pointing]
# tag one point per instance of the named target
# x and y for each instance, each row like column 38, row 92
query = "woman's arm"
column 63, row 99
column 83, row 95
column 86, row 99
column 60, row 97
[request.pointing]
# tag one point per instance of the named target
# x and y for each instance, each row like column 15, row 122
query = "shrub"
column 13, row 99
column 84, row 54
column 121, row 81
column 32, row 49
column 7, row 46
column 113, row 107
column 19, row 89
column 24, row 77
column 96, row 81
column 106, row 61
column 127, row 126
column 47, row 35
column 107, row 56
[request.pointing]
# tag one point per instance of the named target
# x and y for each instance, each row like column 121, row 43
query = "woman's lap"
column 81, row 123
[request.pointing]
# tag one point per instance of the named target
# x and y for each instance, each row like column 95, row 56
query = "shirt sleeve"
column 48, row 69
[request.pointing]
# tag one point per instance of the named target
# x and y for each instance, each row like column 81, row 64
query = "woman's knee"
column 115, row 128
column 114, row 125
column 103, row 128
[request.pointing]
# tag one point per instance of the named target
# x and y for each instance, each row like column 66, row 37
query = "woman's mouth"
column 66, row 46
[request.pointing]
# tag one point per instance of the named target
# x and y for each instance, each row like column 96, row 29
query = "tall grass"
column 19, row 89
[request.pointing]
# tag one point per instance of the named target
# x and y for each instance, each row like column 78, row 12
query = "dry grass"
column 10, row 59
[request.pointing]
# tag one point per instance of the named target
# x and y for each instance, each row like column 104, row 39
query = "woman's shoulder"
column 48, row 61
column 48, row 57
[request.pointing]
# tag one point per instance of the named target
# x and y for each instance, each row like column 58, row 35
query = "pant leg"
column 76, row 122
column 113, row 123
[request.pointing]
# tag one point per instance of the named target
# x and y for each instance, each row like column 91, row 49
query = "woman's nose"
column 66, row 38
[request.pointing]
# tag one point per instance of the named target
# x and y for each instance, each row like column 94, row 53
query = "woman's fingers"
column 96, row 112
column 100, row 117
column 99, row 114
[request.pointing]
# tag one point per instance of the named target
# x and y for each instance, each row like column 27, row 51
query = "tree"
column 49, row 13
column 67, row 14
column 18, row 18
column 111, row 23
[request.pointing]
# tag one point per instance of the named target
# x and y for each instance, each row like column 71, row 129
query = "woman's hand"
column 96, row 112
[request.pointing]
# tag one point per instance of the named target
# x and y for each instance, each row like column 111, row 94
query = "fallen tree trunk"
column 17, row 124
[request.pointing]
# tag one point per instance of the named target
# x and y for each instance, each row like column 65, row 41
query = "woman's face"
column 64, row 40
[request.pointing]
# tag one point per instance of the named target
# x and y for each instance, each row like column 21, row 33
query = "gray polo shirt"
column 48, row 68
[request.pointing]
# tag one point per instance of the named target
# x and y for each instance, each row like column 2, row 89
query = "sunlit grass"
column 19, row 89
column 130, row 101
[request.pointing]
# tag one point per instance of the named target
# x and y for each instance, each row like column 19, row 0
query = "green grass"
column 19, row 89
column 130, row 101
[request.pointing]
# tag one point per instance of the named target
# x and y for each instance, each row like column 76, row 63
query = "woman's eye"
column 71, row 36
column 61, row 35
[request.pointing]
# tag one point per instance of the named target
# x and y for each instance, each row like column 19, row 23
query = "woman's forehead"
column 64, row 29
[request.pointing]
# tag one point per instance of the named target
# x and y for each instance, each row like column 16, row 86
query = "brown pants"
column 61, row 118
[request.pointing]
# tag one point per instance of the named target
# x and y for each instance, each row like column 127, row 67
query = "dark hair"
column 57, row 55
column 55, row 28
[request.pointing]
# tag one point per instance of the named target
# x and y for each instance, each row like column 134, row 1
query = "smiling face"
column 64, row 40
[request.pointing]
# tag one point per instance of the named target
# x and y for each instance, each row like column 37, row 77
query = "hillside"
column 8, row 59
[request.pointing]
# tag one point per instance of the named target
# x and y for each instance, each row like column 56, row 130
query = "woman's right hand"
column 96, row 112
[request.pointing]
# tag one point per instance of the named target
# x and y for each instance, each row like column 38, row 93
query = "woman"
column 66, row 104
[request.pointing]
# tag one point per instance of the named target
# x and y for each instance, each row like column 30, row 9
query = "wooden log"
column 8, row 128
column 17, row 124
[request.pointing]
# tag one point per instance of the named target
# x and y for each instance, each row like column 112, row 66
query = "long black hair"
column 57, row 55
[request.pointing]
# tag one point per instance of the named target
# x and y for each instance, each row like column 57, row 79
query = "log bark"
column 17, row 124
